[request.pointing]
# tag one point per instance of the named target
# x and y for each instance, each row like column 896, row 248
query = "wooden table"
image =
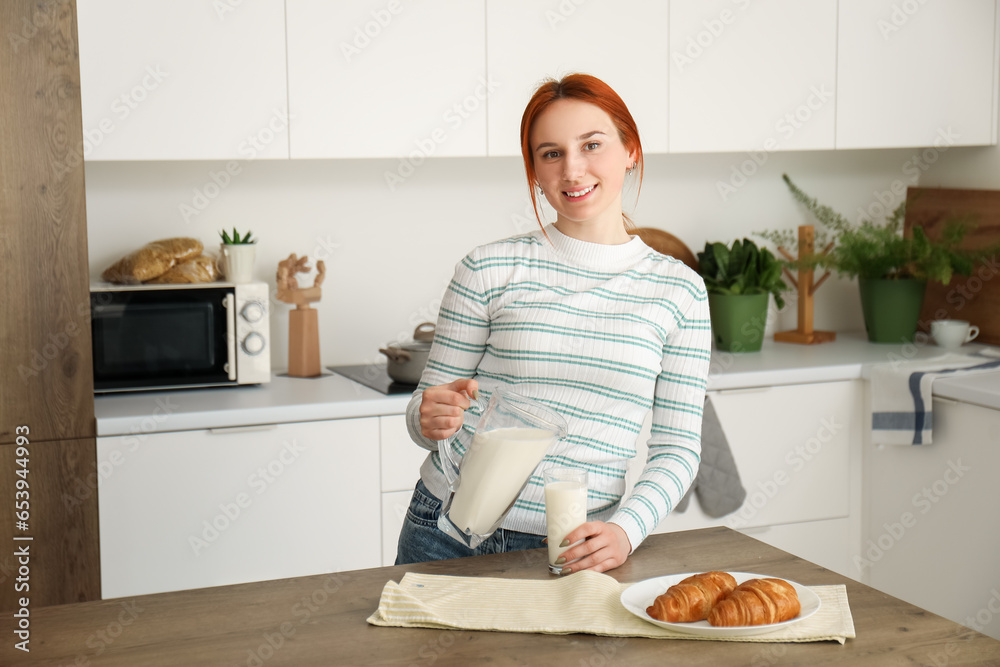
column 320, row 620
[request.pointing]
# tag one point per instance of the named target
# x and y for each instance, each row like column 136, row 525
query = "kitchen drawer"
column 401, row 457
column 827, row 543
column 792, row 447
column 192, row 509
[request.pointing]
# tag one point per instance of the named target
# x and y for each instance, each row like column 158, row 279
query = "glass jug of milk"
column 512, row 437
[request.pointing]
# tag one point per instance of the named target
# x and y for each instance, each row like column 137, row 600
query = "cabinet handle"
column 243, row 429
column 748, row 390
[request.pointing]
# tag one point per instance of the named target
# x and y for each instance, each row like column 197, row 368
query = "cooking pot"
column 407, row 360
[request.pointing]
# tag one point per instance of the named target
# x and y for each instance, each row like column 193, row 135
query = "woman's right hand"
column 442, row 408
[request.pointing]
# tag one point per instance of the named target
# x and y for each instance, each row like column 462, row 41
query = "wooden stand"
column 303, row 343
column 303, row 322
column 805, row 334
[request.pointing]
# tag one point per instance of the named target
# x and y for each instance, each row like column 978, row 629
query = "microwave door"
column 149, row 340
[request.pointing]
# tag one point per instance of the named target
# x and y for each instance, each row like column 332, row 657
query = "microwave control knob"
column 253, row 344
column 252, row 312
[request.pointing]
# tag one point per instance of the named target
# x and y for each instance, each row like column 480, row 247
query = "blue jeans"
column 420, row 539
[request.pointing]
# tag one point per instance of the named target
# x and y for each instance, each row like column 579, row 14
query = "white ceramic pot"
column 237, row 261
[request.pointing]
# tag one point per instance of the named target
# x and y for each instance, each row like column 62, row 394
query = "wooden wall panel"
column 45, row 348
column 64, row 563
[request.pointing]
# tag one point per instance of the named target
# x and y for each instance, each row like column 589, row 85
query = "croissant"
column 757, row 602
column 691, row 599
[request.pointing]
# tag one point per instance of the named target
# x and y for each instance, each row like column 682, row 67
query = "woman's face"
column 580, row 162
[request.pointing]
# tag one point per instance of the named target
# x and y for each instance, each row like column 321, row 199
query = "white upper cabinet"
column 183, row 80
column 623, row 42
column 750, row 76
column 916, row 73
column 387, row 79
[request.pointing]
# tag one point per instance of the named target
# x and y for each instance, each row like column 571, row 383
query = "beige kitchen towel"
column 586, row 602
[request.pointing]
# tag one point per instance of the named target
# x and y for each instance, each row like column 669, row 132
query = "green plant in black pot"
column 739, row 279
column 892, row 268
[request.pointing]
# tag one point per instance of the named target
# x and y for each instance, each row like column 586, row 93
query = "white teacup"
column 953, row 334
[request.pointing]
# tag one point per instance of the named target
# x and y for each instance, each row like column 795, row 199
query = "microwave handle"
column 229, row 303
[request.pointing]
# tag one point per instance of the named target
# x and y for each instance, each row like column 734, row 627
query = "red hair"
column 585, row 88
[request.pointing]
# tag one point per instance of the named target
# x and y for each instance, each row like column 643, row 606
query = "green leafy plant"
column 879, row 250
column 235, row 239
column 742, row 268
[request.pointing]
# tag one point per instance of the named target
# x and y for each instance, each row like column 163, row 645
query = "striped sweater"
column 600, row 333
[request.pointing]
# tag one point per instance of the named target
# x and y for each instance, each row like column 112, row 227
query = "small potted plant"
column 892, row 268
column 238, row 253
column 739, row 280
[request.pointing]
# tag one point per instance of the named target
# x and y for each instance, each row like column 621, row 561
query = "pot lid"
column 423, row 336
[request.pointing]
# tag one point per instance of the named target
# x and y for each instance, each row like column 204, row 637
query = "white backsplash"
column 390, row 251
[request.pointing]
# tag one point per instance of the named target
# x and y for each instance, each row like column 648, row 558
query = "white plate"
column 638, row 596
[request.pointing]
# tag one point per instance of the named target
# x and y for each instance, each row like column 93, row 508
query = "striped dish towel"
column 901, row 394
column 585, row 602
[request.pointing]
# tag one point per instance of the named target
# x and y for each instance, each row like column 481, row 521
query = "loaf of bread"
column 200, row 269
column 691, row 599
column 757, row 602
column 152, row 260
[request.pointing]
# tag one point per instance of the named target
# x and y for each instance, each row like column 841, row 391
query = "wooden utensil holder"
column 804, row 334
column 303, row 343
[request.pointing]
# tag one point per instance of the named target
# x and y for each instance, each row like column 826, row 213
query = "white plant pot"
column 238, row 262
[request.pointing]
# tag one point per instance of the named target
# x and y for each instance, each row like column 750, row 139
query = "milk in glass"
column 565, row 509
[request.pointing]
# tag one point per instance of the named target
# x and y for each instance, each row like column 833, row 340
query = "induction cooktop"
column 374, row 376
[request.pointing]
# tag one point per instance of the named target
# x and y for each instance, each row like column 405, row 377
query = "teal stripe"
column 588, row 387
column 597, row 469
column 643, row 530
column 684, row 451
column 634, row 341
column 459, row 345
column 673, row 457
column 534, row 286
column 667, row 472
column 457, row 371
column 567, row 409
column 695, row 290
column 688, row 352
column 525, row 239
column 599, row 446
column 649, row 506
column 571, row 310
column 666, row 430
column 464, row 291
column 677, row 406
column 659, row 490
column 690, row 380
column 627, row 369
column 452, row 316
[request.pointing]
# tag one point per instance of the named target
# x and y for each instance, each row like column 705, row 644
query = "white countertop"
column 285, row 399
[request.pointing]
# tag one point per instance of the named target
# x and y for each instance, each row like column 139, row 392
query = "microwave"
column 148, row 337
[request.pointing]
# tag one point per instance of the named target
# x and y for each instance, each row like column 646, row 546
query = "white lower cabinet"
column 401, row 461
column 213, row 507
column 797, row 449
column 932, row 535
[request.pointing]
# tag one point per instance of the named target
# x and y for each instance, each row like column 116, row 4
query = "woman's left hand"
column 605, row 547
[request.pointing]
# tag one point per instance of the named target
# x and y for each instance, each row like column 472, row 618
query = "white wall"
column 389, row 254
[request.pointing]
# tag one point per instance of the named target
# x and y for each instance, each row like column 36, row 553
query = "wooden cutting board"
column 975, row 298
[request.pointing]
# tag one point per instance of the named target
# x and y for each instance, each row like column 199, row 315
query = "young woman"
column 583, row 317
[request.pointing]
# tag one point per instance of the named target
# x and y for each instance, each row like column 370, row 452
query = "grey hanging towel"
column 717, row 484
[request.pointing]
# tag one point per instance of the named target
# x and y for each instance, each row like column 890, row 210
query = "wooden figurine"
column 303, row 322
column 805, row 334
